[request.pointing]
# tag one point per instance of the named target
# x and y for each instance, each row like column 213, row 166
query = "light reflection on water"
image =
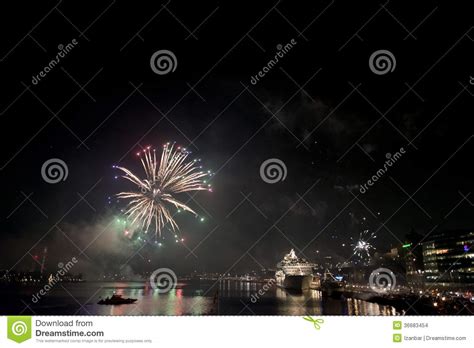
column 190, row 298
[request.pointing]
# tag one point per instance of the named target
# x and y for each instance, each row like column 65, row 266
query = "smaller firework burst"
column 362, row 246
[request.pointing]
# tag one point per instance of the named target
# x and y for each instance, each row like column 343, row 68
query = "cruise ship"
column 294, row 273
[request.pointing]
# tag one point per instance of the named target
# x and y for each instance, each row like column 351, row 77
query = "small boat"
column 330, row 285
column 116, row 300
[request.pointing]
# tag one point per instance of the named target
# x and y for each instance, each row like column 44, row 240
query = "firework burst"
column 362, row 246
column 173, row 174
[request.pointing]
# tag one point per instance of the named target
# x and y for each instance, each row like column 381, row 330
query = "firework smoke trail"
column 171, row 175
column 362, row 246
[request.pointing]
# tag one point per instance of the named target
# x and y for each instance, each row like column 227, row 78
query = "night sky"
column 320, row 110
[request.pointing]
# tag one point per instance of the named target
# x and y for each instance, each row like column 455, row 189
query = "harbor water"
column 208, row 297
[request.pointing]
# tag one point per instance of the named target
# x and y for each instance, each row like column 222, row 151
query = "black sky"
column 227, row 121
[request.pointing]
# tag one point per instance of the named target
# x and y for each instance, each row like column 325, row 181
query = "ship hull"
column 295, row 282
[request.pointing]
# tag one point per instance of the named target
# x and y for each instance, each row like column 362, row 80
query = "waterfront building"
column 448, row 258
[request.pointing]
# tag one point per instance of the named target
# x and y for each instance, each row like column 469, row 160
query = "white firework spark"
column 148, row 206
column 362, row 246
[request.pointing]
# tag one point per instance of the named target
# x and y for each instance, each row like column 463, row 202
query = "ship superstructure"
column 294, row 273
